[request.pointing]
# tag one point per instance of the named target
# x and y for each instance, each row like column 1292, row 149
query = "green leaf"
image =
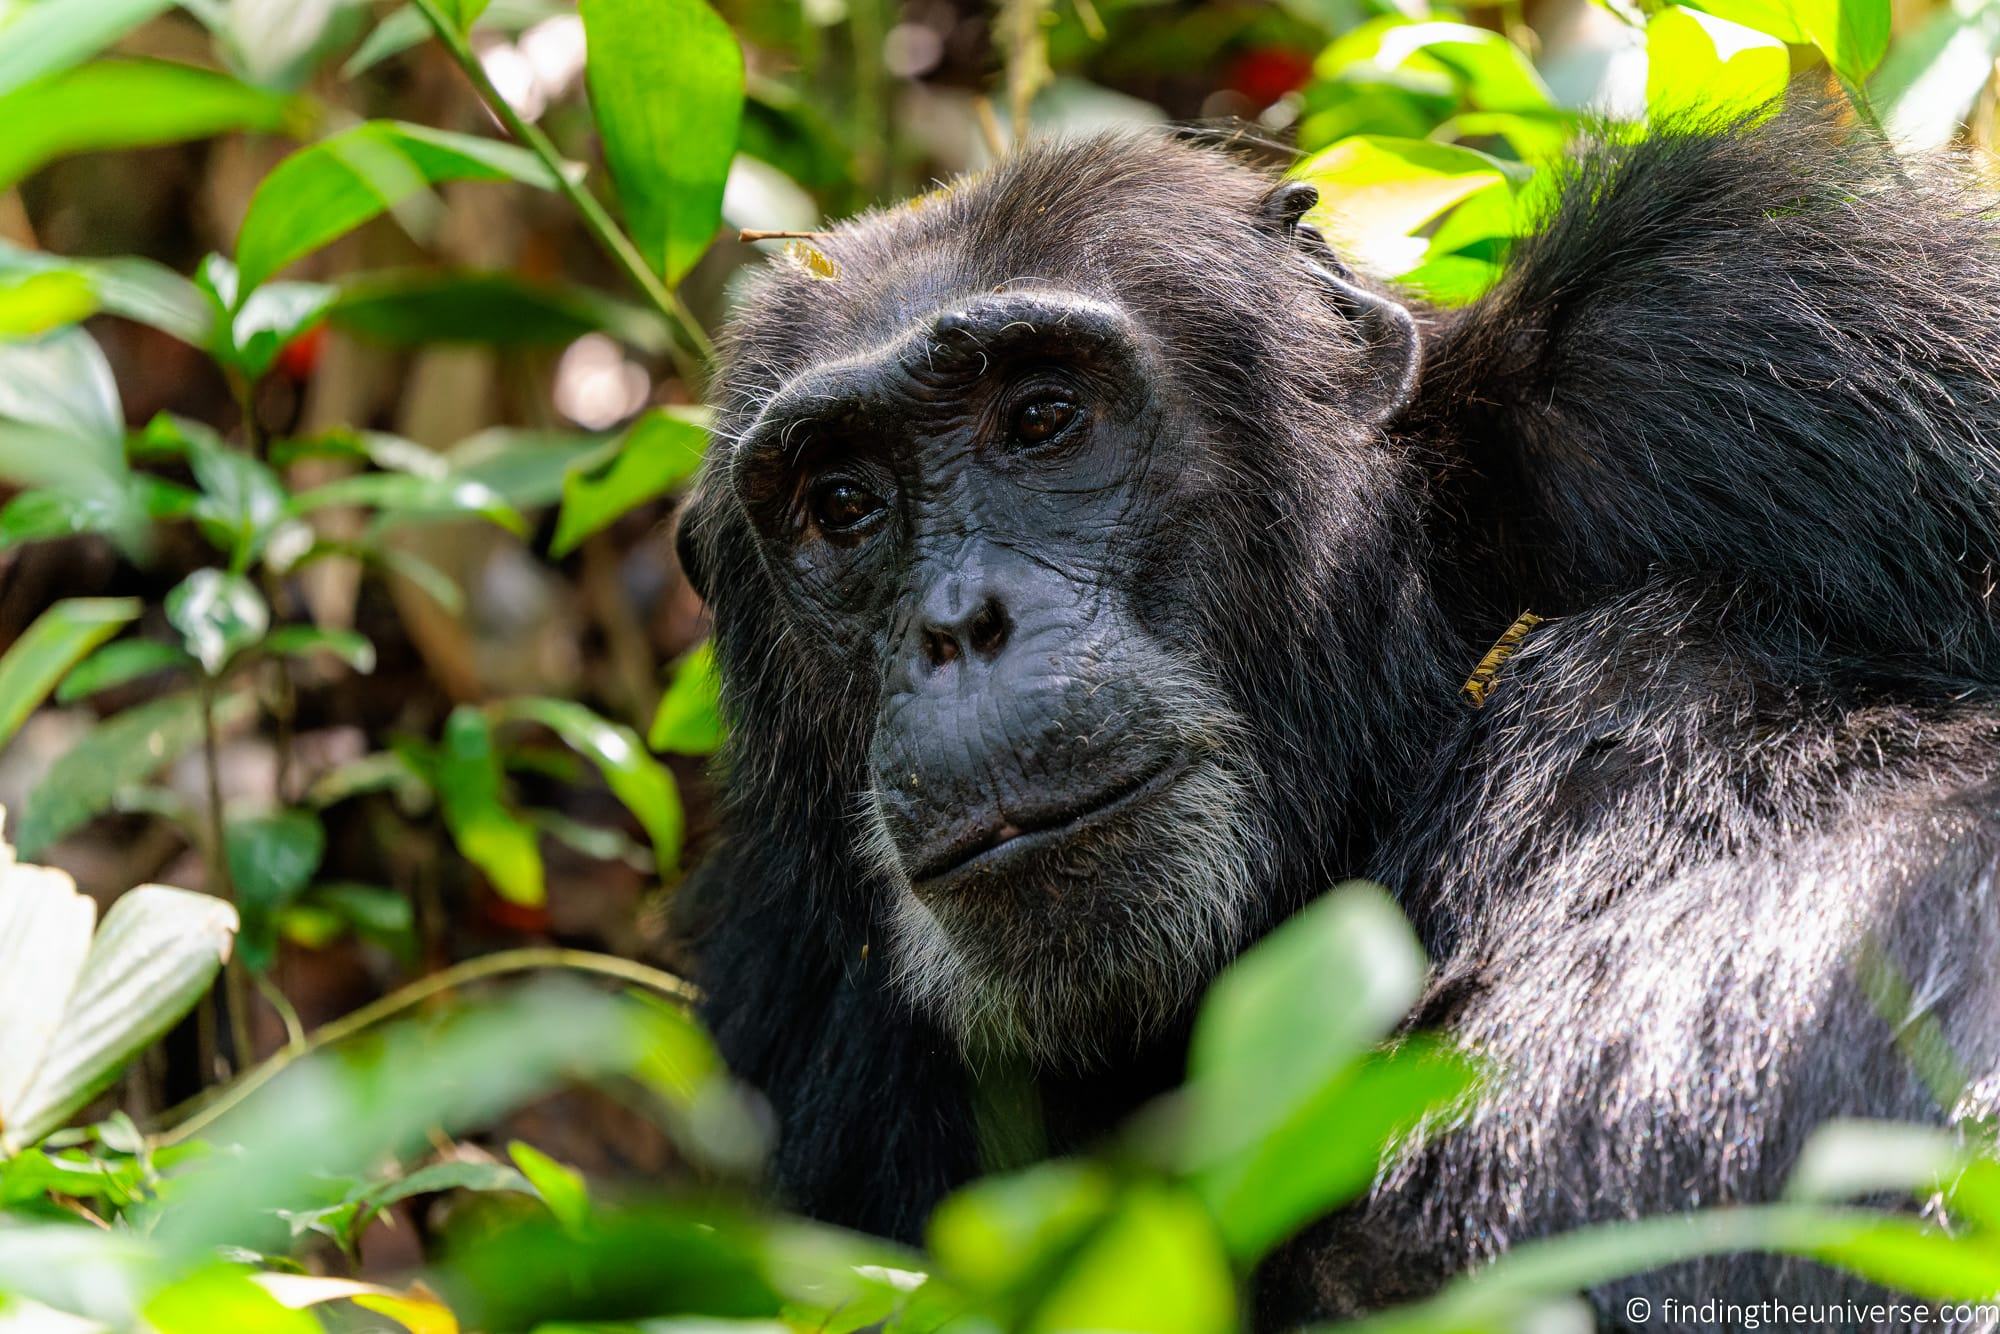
column 219, row 615
column 527, row 467
column 121, row 751
column 562, row 1188
column 137, row 289
column 1289, row 1017
column 323, row 192
column 272, row 859
column 155, row 955
column 491, row 836
column 689, row 719
column 1476, row 64
column 1851, row 34
column 63, row 383
column 413, row 306
column 657, row 454
column 223, row 1297
column 120, row 663
column 1934, row 75
column 406, row 495
column 1155, row 1264
column 1376, row 192
column 35, row 303
column 463, row 13
column 1696, row 60
column 381, row 915
column 42, row 39
column 299, row 641
column 638, row 780
column 92, row 108
column 1777, row 18
column 994, row 1235
column 49, row 647
column 1848, row 1159
column 666, row 85
column 406, row 27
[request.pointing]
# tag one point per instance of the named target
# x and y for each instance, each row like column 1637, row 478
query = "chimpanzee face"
column 988, row 517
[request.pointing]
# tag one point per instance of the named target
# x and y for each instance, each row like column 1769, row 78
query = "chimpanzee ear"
column 1391, row 347
column 689, row 545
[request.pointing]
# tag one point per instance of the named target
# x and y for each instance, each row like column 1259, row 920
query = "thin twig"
column 599, row 223
column 753, row 234
column 989, row 126
column 191, row 1119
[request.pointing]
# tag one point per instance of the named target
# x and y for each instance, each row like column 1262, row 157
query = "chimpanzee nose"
column 979, row 626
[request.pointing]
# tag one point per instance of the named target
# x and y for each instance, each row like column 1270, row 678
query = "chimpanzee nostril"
column 988, row 628
column 982, row 632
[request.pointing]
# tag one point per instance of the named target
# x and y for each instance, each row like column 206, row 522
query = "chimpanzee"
column 1096, row 560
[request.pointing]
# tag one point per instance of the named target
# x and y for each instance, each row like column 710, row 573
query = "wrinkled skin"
column 1095, row 561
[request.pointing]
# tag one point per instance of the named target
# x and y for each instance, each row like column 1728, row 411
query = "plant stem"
column 530, row 959
column 606, row 232
column 236, row 996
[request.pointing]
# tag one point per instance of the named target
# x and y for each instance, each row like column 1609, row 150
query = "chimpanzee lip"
column 1005, row 841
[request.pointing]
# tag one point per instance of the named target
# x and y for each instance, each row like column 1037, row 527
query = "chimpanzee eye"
column 837, row 506
column 1042, row 420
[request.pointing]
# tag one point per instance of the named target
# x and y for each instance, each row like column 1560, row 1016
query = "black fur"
column 1732, row 421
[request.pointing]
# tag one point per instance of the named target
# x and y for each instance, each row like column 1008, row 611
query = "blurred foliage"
column 350, row 362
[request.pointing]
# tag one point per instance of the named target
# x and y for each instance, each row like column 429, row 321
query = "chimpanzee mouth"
column 992, row 848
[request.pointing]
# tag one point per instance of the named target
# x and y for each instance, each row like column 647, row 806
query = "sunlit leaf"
column 1489, row 72
column 1154, row 1264
column 487, row 831
column 666, row 85
column 1696, row 60
column 56, row 641
column 1375, row 193
column 658, row 453
column 689, row 720
column 35, row 303
column 41, row 39
column 994, row 1234
column 92, row 108
column 221, row 1297
column 324, row 191
column 562, row 1188
column 63, row 383
column 219, row 615
column 1851, row 34
column 638, row 780
column 135, row 288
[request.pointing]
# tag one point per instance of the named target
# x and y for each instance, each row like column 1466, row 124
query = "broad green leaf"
column 994, row 1234
column 658, row 453
column 119, row 752
column 1330, row 1146
column 689, row 719
column 1696, row 60
column 279, row 43
column 1851, row 34
column 35, row 303
column 1375, row 193
column 527, row 467
column 272, row 859
column 251, row 326
column 327, row 190
column 120, row 663
column 137, row 289
column 1934, row 75
column 422, row 306
column 407, row 495
column 93, row 108
column 43, row 39
column 242, row 505
column 470, row 788
column 299, row 641
column 1155, row 1264
column 562, row 1188
column 1489, row 72
column 56, row 641
column 63, row 383
column 666, row 86
column 1288, row 1018
column 638, row 780
column 222, row 1297
column 152, row 959
column 219, row 615
column 373, row 912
